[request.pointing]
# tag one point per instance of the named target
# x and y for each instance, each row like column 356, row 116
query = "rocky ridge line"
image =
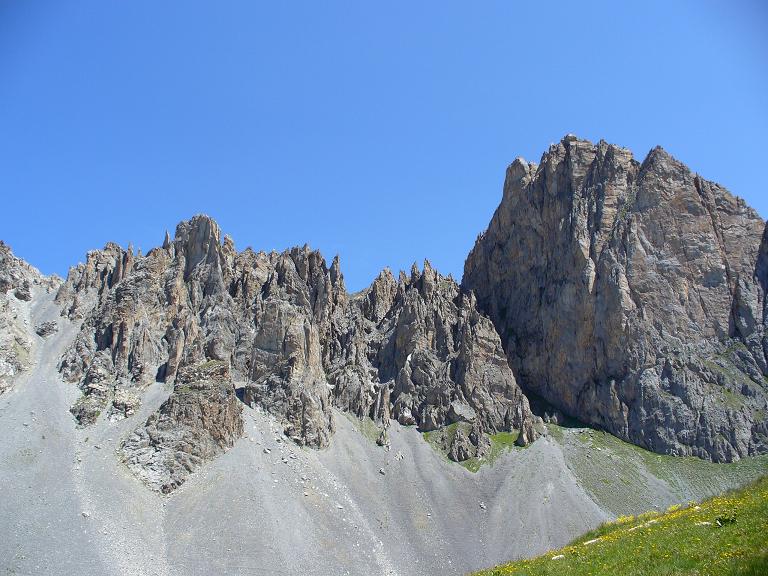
column 414, row 349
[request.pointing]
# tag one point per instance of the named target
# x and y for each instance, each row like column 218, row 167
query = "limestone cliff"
column 631, row 296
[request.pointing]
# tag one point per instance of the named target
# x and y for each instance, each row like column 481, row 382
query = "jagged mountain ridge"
column 295, row 342
column 627, row 294
column 416, row 349
column 632, row 296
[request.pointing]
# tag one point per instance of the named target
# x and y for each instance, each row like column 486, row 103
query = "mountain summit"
column 631, row 296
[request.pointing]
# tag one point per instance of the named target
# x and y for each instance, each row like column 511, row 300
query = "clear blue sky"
column 376, row 130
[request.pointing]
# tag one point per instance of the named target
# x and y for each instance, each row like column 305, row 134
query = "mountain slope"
column 285, row 426
column 19, row 283
column 721, row 536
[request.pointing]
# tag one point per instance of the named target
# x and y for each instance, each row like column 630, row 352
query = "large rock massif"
column 417, row 350
column 414, row 349
column 628, row 295
column 631, row 296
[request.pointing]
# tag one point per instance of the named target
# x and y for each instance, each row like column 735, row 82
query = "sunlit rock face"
column 632, row 296
column 199, row 421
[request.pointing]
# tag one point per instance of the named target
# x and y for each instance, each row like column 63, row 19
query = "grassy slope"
column 365, row 426
column 724, row 535
column 624, row 479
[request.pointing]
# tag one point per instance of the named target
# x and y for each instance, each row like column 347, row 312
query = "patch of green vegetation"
column 505, row 440
column 472, row 464
column 724, row 535
column 556, row 432
column 21, row 353
column 735, row 346
column 729, row 373
column 733, row 400
column 442, row 438
column 501, row 442
column 585, row 437
column 365, row 426
column 673, row 469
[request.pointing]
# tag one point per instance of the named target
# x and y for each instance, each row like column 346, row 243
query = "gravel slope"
column 69, row 506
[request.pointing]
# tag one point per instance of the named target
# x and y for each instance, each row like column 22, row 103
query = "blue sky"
column 379, row 131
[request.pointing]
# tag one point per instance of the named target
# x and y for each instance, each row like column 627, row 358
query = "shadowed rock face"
column 415, row 349
column 200, row 420
column 631, row 296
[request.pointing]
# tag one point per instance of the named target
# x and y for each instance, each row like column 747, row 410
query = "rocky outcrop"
column 45, row 329
column 192, row 300
column 85, row 283
column 463, row 445
column 631, row 296
column 19, row 283
column 461, row 448
column 415, row 349
column 200, row 420
column 293, row 315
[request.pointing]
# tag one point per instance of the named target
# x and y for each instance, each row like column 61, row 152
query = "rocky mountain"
column 18, row 283
column 414, row 349
column 284, row 424
column 439, row 359
column 628, row 295
column 632, row 296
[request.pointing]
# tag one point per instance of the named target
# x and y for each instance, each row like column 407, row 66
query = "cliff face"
column 415, row 349
column 196, row 299
column 631, row 296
